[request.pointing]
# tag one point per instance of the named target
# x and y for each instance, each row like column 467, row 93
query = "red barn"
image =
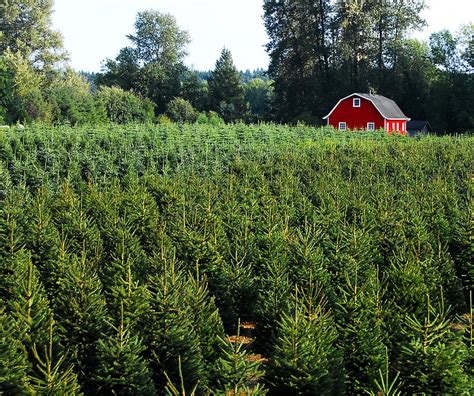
column 367, row 111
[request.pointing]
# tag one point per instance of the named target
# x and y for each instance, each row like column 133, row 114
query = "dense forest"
column 319, row 52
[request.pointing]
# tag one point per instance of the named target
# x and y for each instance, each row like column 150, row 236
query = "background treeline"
column 323, row 50
column 128, row 253
column 319, row 52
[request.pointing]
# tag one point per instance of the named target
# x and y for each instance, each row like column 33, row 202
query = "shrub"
column 180, row 110
column 123, row 106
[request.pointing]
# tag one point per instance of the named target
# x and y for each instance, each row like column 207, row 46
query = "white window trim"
column 371, row 124
column 354, row 102
column 340, row 126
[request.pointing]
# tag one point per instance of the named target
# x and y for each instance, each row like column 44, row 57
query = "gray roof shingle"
column 387, row 107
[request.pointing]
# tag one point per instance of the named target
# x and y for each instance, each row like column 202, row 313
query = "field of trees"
column 130, row 254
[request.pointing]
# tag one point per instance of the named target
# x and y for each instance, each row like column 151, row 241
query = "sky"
column 94, row 30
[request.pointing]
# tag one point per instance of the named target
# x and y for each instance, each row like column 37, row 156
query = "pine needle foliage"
column 14, row 364
column 306, row 359
column 237, row 372
column 122, row 369
column 146, row 243
column 431, row 360
column 51, row 376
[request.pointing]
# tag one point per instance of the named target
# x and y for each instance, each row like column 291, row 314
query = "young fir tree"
column 81, row 311
column 170, row 333
column 10, row 239
column 51, row 377
column 122, row 288
column 206, row 322
column 236, row 371
column 28, row 304
column 76, row 225
column 274, row 290
column 431, row 360
column 360, row 335
column 226, row 94
column 43, row 238
column 305, row 358
column 14, row 365
column 122, row 369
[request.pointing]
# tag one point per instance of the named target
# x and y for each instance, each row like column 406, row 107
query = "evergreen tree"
column 126, row 296
column 122, row 370
column 431, row 359
column 10, row 240
column 236, row 372
column 43, row 238
column 226, row 94
column 360, row 334
column 206, row 322
column 81, row 311
column 305, row 359
column 51, row 377
column 14, row 364
column 28, row 304
column 170, row 334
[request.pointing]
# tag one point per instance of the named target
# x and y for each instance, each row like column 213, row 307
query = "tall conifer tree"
column 226, row 93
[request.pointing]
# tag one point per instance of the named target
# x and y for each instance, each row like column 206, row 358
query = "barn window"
column 371, row 126
column 342, row 126
column 403, row 127
column 356, row 102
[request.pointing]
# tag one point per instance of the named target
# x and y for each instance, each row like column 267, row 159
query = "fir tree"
column 360, row 335
column 170, row 334
column 124, row 291
column 226, row 94
column 206, row 322
column 305, row 359
column 122, row 369
column 43, row 238
column 236, row 372
column 28, row 304
column 81, row 311
column 431, row 360
column 10, row 240
column 14, row 364
column 51, row 377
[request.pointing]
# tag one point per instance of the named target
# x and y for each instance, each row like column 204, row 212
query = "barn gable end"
column 367, row 111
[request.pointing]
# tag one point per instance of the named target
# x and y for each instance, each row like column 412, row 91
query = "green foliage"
column 236, row 370
column 28, row 304
column 153, row 65
column 122, row 368
column 142, row 241
column 432, row 357
column 52, row 377
column 123, row 107
column 384, row 384
column 82, row 310
column 360, row 334
column 72, row 101
column 25, row 28
column 170, row 335
column 226, row 94
column 13, row 361
column 180, row 110
column 305, row 359
column 21, row 90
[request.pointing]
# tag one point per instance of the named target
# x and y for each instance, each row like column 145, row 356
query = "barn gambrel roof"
column 386, row 107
